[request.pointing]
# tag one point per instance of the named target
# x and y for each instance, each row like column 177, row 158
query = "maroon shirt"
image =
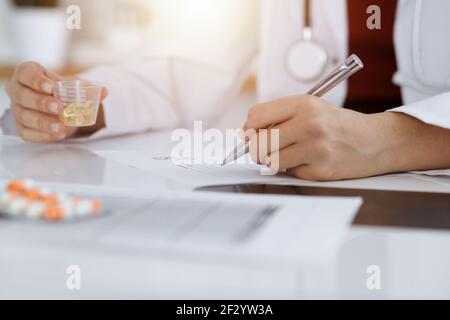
column 372, row 90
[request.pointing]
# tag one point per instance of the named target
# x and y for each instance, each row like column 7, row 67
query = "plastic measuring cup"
column 81, row 100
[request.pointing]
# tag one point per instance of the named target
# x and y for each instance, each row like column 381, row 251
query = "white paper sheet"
column 190, row 177
column 195, row 174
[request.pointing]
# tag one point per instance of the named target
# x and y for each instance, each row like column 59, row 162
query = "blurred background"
column 111, row 31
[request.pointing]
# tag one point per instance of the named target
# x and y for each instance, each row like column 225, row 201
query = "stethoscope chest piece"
column 306, row 60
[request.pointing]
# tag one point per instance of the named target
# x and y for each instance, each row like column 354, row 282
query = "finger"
column 34, row 136
column 266, row 114
column 288, row 158
column 302, row 172
column 267, row 141
column 53, row 76
column 316, row 168
column 38, row 121
column 281, row 136
column 32, row 100
column 34, row 76
column 104, row 93
column 313, row 173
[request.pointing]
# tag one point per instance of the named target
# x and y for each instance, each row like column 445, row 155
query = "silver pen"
column 351, row 65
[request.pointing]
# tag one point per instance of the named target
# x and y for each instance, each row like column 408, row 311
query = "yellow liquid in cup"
column 79, row 114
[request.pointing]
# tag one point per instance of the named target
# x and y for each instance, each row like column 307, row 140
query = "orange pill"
column 53, row 213
column 59, row 215
column 96, row 206
column 32, row 195
column 50, row 200
column 16, row 186
column 41, row 197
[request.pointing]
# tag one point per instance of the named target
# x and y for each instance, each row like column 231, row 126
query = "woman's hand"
column 318, row 141
column 33, row 105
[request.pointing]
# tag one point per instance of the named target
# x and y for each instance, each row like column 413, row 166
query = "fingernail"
column 47, row 87
column 55, row 127
column 54, row 107
column 267, row 161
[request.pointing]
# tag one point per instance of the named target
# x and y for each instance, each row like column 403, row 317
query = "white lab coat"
column 195, row 72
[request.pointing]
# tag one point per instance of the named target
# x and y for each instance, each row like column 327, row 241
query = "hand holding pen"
column 302, row 122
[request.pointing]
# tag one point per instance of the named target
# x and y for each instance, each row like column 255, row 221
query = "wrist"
column 391, row 140
column 404, row 143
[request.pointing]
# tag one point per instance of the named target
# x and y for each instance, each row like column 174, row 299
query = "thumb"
column 104, row 94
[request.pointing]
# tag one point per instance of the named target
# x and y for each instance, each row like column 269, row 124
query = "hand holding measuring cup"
column 36, row 104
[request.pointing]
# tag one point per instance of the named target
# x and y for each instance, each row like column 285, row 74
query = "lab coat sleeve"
column 434, row 111
column 162, row 94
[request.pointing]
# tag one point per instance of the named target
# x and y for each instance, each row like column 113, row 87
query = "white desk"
column 414, row 263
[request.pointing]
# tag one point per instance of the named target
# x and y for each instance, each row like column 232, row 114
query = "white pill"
column 68, row 209
column 35, row 210
column 83, row 208
column 17, row 207
column 5, row 199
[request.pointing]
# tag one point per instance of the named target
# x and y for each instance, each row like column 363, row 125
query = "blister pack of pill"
column 23, row 199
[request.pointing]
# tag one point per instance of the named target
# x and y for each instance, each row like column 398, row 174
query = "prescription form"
column 191, row 175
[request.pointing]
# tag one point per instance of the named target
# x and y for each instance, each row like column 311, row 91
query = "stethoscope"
column 306, row 60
